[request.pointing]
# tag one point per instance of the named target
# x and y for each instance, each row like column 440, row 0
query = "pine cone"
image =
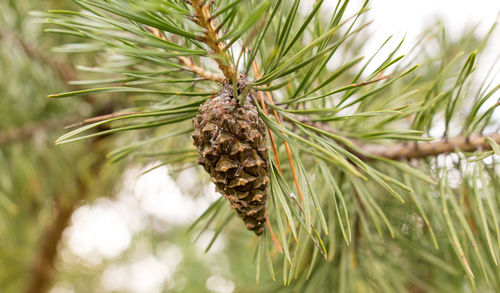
column 232, row 148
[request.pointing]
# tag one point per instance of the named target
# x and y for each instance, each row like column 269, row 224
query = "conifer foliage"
column 338, row 161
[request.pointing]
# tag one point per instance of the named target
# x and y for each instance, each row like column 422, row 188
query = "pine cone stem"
column 211, row 38
column 188, row 64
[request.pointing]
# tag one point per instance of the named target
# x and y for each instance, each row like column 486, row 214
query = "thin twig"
column 273, row 237
column 102, row 118
column 188, row 64
column 384, row 77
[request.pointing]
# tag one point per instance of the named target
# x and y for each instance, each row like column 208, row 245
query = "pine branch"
column 420, row 150
column 200, row 71
column 416, row 150
column 204, row 19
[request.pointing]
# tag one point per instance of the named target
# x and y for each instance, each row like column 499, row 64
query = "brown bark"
column 431, row 149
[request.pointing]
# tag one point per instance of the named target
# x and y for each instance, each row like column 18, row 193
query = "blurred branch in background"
column 27, row 131
column 50, row 239
column 43, row 264
column 431, row 149
column 66, row 72
column 33, row 177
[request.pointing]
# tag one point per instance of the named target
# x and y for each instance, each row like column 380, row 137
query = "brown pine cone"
column 231, row 142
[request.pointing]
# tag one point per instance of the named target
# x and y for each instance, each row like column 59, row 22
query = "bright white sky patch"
column 145, row 275
column 105, row 229
column 219, row 284
column 409, row 18
column 97, row 231
column 158, row 195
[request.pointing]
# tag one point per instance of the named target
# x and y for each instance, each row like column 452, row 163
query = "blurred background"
column 71, row 222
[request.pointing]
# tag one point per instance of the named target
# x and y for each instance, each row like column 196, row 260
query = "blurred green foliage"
column 37, row 179
column 373, row 242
